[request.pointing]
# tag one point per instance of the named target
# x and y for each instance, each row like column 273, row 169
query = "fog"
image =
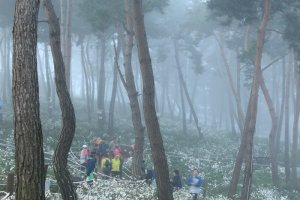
column 222, row 69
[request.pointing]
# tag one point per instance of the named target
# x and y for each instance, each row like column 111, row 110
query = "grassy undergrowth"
column 214, row 158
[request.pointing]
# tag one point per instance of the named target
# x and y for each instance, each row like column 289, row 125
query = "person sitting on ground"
column 195, row 182
column 105, row 166
column 176, row 181
column 90, row 167
column 83, row 156
column 115, row 166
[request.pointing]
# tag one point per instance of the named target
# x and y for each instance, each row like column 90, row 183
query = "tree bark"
column 133, row 94
column 29, row 155
column 250, row 122
column 60, row 159
column 155, row 138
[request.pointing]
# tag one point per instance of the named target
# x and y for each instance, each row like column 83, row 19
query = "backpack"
column 107, row 164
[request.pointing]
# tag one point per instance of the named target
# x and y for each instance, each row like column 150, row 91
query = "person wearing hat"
column 83, row 156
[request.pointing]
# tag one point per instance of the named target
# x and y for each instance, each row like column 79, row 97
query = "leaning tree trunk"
column 235, row 92
column 29, row 155
column 272, row 135
column 133, row 94
column 250, row 122
column 60, row 159
column 155, row 138
column 183, row 84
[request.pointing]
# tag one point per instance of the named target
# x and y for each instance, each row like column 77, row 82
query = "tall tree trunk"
column 183, row 84
column 48, row 79
column 235, row 92
column 287, row 123
column 155, row 138
column 91, row 78
column 122, row 103
column 295, row 125
column 101, row 87
column 68, row 48
column 231, row 115
column 29, row 155
column 133, row 94
column 87, row 82
column 281, row 114
column 110, row 128
column 60, row 159
column 184, row 131
column 272, row 135
column 62, row 21
column 250, row 123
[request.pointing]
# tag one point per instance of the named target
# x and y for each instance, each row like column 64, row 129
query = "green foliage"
column 291, row 32
column 198, row 21
column 245, row 11
column 155, row 5
column 101, row 14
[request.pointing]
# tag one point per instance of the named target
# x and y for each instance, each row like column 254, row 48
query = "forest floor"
column 214, row 159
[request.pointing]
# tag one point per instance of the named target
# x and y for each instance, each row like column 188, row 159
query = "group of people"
column 107, row 159
column 103, row 157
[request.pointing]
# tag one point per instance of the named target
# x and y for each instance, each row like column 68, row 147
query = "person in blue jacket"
column 195, row 182
column 90, row 167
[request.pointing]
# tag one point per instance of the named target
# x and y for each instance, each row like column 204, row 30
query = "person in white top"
column 83, row 156
column 195, row 182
